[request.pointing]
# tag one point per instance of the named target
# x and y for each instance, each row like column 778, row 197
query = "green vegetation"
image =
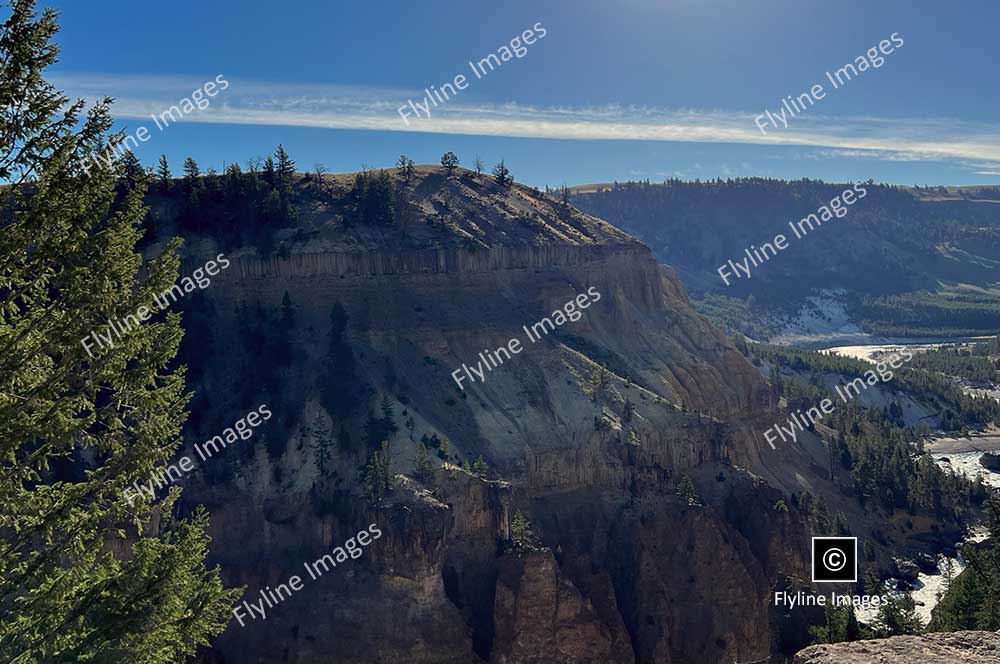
column 736, row 315
column 440, row 444
column 423, row 466
column 839, row 625
column 922, row 313
column 480, row 469
column 972, row 600
column 685, row 489
column 976, row 364
column 239, row 207
column 891, row 250
column 450, row 162
column 895, row 617
column 599, row 380
column 405, row 168
column 373, row 199
column 378, row 478
column 521, row 531
column 85, row 576
column 880, row 453
column 502, row 175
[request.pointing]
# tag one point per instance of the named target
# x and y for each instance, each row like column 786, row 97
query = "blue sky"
column 619, row 89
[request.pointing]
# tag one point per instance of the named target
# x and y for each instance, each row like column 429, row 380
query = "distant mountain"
column 890, row 241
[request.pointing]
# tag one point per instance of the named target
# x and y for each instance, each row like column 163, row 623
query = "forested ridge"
column 881, row 453
column 890, row 253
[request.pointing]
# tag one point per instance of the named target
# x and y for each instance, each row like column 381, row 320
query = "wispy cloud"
column 371, row 108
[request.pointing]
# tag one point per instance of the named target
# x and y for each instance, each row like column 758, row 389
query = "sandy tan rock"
column 955, row 648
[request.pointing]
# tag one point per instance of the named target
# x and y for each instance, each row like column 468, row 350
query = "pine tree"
column 405, row 167
column 388, row 408
column 521, row 531
column 163, row 173
column 191, row 171
column 479, row 165
column 85, row 576
column 480, row 468
column 898, row 616
column 284, row 171
column 599, row 380
column 269, row 172
column 450, row 162
column 686, row 490
column 132, row 170
column 423, row 466
column 502, row 175
column 323, row 443
column 379, row 479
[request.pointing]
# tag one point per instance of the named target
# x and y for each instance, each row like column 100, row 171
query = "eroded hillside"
column 352, row 330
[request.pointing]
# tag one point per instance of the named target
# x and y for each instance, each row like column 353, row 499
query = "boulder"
column 928, row 564
column 905, row 569
column 954, row 648
column 990, row 462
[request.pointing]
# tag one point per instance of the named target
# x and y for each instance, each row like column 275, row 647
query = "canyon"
column 627, row 570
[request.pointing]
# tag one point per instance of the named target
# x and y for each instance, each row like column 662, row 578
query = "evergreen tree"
column 450, row 162
column 599, row 380
column 502, row 175
column 898, row 616
column 839, row 624
column 686, row 490
column 284, row 171
column 378, row 478
column 388, row 414
column 480, row 468
column 423, row 466
column 191, row 172
column 163, row 173
column 521, row 531
column 479, row 165
column 973, row 597
column 132, row 170
column 374, row 198
column 270, row 173
column 323, row 444
column 405, row 167
column 85, row 576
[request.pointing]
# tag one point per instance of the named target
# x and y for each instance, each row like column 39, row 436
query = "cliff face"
column 446, row 306
column 593, row 424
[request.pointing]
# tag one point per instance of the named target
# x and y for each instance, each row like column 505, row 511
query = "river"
column 959, row 455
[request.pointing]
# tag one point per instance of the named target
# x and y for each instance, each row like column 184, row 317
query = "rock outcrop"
column 593, row 424
column 953, row 648
column 541, row 617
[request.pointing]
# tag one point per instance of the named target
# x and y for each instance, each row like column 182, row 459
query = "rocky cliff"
column 592, row 426
column 955, row 648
